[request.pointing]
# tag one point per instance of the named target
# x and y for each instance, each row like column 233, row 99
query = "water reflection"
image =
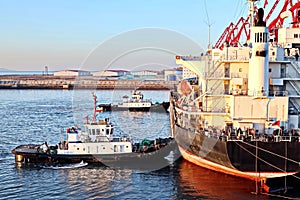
column 98, row 182
column 195, row 182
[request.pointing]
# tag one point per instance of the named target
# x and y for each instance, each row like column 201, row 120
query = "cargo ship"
column 240, row 114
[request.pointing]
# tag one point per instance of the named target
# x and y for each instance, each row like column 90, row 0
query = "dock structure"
column 85, row 82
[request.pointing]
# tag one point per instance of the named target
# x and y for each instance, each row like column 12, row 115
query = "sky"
column 101, row 34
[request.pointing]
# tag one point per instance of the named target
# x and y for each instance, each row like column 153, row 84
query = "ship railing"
column 191, row 58
column 232, row 137
column 284, row 138
column 238, row 75
column 260, row 138
column 216, row 109
column 278, row 93
column 275, row 138
column 212, row 75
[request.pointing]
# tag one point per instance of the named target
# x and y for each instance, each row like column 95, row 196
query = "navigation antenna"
column 208, row 23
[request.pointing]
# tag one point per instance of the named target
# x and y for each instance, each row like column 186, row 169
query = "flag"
column 266, row 3
column 277, row 123
column 100, row 110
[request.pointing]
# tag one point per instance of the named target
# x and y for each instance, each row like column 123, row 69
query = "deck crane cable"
column 236, row 9
column 270, row 152
column 241, row 4
column 264, row 160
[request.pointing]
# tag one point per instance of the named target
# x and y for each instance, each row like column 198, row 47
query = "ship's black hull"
column 162, row 107
column 252, row 158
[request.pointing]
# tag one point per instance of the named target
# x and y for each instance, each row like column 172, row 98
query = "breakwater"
column 84, row 82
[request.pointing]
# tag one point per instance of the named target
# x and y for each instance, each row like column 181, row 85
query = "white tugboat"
column 135, row 103
column 95, row 143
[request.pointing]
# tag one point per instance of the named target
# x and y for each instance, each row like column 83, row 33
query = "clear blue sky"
column 64, row 34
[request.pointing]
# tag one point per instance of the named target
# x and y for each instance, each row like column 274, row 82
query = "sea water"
column 35, row 116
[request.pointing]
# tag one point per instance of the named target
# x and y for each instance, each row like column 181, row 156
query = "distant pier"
column 83, row 82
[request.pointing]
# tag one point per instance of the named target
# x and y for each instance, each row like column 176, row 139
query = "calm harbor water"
column 34, row 116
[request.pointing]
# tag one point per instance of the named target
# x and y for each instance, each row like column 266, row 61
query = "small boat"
column 135, row 103
column 96, row 143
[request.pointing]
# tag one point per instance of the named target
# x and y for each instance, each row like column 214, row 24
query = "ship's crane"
column 278, row 21
column 295, row 16
column 233, row 32
column 272, row 10
column 243, row 29
column 221, row 40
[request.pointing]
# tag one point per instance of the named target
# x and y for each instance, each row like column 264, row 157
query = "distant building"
column 145, row 74
column 172, row 74
column 110, row 73
column 72, row 73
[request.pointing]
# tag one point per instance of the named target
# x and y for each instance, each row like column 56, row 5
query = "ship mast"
column 95, row 108
column 209, row 24
column 251, row 11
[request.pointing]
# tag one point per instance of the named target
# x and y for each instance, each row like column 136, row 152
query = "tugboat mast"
column 95, row 108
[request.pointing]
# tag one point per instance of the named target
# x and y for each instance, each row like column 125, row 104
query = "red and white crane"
column 232, row 33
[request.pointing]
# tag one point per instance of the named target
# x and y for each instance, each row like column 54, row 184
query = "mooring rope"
column 270, row 152
column 265, row 160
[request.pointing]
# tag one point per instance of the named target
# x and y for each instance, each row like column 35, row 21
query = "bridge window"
column 122, row 148
column 98, row 131
column 261, row 37
column 256, row 37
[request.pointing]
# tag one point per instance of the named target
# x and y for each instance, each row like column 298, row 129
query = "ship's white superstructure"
column 227, row 84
